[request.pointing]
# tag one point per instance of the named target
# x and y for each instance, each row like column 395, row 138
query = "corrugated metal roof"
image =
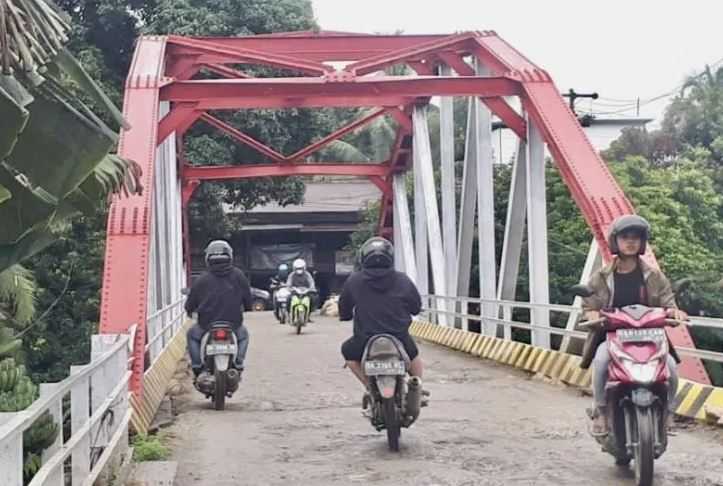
column 324, row 197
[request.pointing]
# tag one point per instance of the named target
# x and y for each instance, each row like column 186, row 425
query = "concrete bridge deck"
column 296, row 421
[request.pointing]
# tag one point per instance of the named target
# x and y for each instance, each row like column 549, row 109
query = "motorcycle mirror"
column 185, row 291
column 581, row 290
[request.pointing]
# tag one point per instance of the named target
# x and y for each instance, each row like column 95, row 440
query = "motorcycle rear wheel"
column 391, row 421
column 219, row 396
column 645, row 449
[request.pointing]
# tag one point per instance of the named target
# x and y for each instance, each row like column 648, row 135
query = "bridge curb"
column 692, row 400
column 155, row 381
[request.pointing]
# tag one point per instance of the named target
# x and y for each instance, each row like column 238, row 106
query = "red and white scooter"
column 637, row 387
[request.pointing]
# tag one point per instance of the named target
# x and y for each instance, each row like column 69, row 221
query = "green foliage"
column 149, row 448
column 17, row 295
column 70, row 278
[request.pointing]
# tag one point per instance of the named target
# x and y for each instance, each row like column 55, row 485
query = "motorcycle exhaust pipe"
column 414, row 399
column 233, row 377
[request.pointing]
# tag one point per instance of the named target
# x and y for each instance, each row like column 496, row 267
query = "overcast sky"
column 621, row 49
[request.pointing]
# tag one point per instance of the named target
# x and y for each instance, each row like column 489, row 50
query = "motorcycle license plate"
column 220, row 349
column 641, row 335
column 372, row 368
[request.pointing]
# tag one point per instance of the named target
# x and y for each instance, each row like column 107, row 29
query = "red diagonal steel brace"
column 422, row 67
column 398, row 161
column 456, row 62
column 242, row 137
column 508, row 115
column 178, row 120
column 382, row 184
column 253, row 56
column 183, row 67
column 396, row 57
column 404, row 119
column 224, row 71
column 335, row 135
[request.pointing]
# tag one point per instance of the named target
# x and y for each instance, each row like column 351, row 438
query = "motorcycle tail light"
column 220, row 334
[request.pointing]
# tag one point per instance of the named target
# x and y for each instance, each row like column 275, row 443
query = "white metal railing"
column 161, row 327
column 437, row 305
column 99, row 415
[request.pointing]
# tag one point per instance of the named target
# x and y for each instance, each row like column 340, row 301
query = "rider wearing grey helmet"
column 220, row 294
column 627, row 280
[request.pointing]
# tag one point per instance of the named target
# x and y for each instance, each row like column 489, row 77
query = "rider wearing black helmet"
column 627, row 280
column 220, row 294
column 381, row 301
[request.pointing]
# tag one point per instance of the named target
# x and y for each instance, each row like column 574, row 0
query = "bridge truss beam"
column 144, row 232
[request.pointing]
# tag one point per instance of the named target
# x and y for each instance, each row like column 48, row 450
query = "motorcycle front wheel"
column 391, row 421
column 298, row 320
column 219, row 396
column 645, row 449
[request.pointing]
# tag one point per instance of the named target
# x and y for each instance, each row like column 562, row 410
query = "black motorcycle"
column 220, row 377
column 394, row 397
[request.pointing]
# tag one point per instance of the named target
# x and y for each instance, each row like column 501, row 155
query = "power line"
column 624, row 105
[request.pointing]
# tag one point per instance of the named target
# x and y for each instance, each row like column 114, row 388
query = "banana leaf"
column 27, row 208
column 33, row 241
column 5, row 194
column 72, row 145
column 13, row 100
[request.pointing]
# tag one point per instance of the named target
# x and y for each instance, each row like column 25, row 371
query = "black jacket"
column 380, row 301
column 220, row 294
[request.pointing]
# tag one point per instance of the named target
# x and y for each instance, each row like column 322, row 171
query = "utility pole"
column 572, row 95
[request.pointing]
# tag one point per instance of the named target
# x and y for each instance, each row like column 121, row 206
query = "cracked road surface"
column 296, row 421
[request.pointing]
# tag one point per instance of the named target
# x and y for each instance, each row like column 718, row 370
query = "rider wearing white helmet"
column 300, row 277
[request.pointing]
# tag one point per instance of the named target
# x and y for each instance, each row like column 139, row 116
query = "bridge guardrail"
column 99, row 416
column 161, row 326
column 432, row 308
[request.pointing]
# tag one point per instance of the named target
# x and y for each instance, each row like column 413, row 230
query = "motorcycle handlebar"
column 593, row 324
column 597, row 323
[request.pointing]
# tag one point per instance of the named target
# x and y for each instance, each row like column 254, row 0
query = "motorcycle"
column 637, row 388
column 394, row 398
column 300, row 308
column 220, row 378
column 281, row 295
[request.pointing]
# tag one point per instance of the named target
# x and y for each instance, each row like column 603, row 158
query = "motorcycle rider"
column 381, row 301
column 220, row 294
column 282, row 274
column 301, row 278
column 627, row 280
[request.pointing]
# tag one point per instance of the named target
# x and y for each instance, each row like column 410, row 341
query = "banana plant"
column 54, row 142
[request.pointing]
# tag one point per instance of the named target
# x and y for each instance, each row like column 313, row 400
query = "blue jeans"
column 193, row 340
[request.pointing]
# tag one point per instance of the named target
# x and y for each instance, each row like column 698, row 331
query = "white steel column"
column 404, row 224
column 468, row 206
column 420, row 230
column 449, row 200
column 537, row 233
column 423, row 151
column 398, row 246
column 486, row 213
column 514, row 233
column 592, row 263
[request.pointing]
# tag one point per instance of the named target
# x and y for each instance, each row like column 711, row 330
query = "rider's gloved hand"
column 591, row 315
